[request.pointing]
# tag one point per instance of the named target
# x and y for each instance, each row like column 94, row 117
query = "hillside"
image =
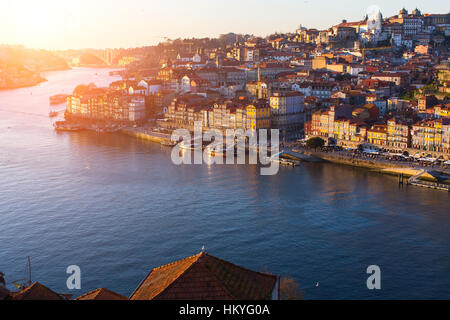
column 21, row 67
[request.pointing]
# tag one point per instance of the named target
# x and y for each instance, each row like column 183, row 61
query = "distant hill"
column 21, row 67
column 37, row 60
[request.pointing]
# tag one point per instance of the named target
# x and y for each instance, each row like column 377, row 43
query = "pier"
column 431, row 185
column 416, row 181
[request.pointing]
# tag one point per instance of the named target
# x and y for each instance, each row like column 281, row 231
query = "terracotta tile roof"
column 204, row 277
column 101, row 294
column 36, row 291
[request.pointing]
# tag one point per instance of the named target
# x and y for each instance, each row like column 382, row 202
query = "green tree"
column 315, row 142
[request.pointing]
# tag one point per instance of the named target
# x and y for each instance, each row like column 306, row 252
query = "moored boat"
column 168, row 143
column 286, row 162
column 191, row 145
column 219, row 150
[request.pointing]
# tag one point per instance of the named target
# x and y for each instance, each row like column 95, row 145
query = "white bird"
column 317, row 284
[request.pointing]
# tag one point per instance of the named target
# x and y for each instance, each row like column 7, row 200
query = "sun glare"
column 35, row 16
column 35, row 21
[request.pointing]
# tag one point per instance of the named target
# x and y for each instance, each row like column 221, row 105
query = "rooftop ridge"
column 162, row 267
column 26, row 291
column 178, row 261
column 96, row 292
column 90, row 292
column 198, row 255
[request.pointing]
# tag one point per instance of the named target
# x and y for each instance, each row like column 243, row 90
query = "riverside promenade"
column 406, row 168
column 373, row 162
column 145, row 134
column 379, row 163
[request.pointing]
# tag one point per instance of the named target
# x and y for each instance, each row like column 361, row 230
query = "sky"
column 77, row 24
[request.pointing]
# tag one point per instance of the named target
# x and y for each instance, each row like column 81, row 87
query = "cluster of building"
column 404, row 29
column 283, row 110
column 349, row 127
column 356, row 82
column 121, row 102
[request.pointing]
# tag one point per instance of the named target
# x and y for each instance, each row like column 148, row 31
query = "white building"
column 355, row 69
column 185, row 84
column 304, row 88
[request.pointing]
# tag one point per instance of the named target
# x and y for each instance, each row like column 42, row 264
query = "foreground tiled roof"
column 101, row 294
column 204, row 277
column 36, row 291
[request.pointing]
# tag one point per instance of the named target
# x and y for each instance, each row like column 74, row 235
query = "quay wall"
column 364, row 163
column 153, row 137
column 375, row 165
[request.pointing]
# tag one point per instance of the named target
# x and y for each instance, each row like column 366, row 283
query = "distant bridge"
column 107, row 56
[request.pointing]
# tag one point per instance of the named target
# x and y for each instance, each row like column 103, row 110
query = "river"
column 117, row 207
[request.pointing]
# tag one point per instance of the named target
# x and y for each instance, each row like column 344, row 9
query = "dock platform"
column 416, row 181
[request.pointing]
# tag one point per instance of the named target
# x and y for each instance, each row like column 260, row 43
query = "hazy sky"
column 62, row 24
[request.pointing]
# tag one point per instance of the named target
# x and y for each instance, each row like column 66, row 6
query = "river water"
column 118, row 207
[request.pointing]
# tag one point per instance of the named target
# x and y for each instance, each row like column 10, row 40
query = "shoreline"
column 94, row 66
column 21, row 86
column 365, row 163
column 393, row 169
column 374, row 165
column 50, row 69
column 37, row 82
column 138, row 134
column 46, row 70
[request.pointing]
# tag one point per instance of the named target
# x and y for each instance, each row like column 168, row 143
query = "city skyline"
column 54, row 25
